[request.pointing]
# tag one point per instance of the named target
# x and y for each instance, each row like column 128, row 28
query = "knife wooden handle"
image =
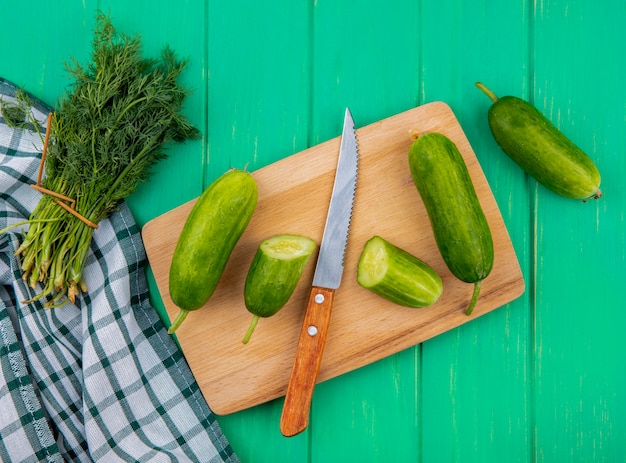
column 306, row 365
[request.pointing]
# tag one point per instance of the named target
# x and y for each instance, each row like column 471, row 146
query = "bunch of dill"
column 109, row 130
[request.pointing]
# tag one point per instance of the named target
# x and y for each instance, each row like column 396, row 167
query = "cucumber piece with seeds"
column 396, row 275
column 274, row 274
column 541, row 149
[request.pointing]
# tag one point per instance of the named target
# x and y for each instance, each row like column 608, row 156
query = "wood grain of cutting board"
column 294, row 194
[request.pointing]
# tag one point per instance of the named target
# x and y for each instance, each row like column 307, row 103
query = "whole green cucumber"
column 211, row 231
column 457, row 219
column 274, row 274
column 397, row 275
column 541, row 149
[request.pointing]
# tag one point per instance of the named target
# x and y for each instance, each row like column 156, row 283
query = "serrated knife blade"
column 329, row 267
column 326, row 280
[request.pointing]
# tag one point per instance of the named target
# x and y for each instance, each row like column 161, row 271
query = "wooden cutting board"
column 294, row 194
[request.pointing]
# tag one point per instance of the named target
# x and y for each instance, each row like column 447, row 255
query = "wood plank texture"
column 579, row 280
column 542, row 379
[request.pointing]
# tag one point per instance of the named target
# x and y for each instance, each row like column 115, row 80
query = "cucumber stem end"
column 474, row 300
column 596, row 195
column 251, row 328
column 179, row 320
column 492, row 96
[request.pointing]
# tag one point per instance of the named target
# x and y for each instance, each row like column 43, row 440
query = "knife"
column 326, row 280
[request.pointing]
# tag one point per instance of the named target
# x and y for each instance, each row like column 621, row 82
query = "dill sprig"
column 112, row 126
column 17, row 113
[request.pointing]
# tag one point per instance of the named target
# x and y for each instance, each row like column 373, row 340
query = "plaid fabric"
column 100, row 380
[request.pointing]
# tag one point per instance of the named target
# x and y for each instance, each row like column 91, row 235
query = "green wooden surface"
column 541, row 379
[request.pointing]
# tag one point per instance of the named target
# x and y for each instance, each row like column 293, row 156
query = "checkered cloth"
column 100, row 380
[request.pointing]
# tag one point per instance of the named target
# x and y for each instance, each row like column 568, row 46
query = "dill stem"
column 81, row 249
column 61, row 264
column 94, row 156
